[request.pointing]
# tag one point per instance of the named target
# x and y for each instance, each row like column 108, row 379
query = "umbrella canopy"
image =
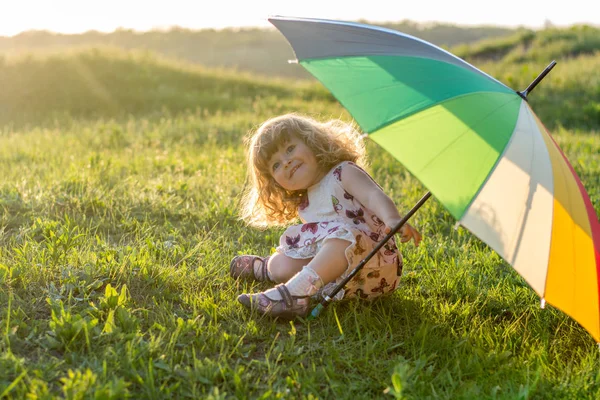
column 474, row 143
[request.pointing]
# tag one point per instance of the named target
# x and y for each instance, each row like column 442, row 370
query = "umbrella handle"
column 328, row 298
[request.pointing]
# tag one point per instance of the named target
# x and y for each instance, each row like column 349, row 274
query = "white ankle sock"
column 305, row 283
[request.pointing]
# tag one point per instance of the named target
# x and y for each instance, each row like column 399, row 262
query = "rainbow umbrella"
column 474, row 143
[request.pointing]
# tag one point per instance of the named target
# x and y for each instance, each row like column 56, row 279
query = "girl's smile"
column 294, row 165
column 295, row 169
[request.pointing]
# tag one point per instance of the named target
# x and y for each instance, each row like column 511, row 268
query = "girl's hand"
column 407, row 232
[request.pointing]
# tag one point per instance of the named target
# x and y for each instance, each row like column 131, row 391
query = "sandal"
column 243, row 267
column 289, row 307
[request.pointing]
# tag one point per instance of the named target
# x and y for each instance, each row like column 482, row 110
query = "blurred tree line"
column 261, row 51
column 265, row 51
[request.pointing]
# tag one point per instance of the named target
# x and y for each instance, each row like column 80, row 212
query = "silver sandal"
column 243, row 267
column 289, row 307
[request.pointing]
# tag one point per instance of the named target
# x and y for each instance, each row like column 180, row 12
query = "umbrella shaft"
column 327, row 299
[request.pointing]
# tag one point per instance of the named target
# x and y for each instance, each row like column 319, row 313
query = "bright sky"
column 74, row 16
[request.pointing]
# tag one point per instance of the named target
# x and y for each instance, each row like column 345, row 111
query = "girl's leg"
column 329, row 264
column 281, row 267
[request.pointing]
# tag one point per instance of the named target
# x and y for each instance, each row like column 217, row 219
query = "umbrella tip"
column 543, row 303
column 537, row 80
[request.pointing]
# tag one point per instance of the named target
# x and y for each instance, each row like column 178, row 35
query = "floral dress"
column 330, row 212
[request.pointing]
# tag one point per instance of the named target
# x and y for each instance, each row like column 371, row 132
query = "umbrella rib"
column 528, row 203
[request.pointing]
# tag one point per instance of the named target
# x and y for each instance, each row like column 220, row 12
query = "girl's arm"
column 360, row 185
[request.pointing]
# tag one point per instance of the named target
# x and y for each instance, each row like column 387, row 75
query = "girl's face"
column 294, row 165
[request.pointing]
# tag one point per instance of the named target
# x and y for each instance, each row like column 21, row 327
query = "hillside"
column 265, row 51
column 115, row 83
column 529, row 46
column 260, row 51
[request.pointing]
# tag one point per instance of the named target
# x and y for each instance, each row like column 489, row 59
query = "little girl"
column 299, row 167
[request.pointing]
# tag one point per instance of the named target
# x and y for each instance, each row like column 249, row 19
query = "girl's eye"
column 275, row 166
column 290, row 148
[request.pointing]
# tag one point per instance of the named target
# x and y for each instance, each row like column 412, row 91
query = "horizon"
column 76, row 17
column 268, row 26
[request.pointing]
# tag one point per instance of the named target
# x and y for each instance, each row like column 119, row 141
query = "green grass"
column 116, row 232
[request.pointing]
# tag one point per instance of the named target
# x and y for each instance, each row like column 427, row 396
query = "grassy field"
column 120, row 182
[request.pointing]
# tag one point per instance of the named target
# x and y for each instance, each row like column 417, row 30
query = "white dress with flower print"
column 330, row 212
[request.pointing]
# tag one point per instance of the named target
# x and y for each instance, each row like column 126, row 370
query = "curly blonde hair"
column 265, row 203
